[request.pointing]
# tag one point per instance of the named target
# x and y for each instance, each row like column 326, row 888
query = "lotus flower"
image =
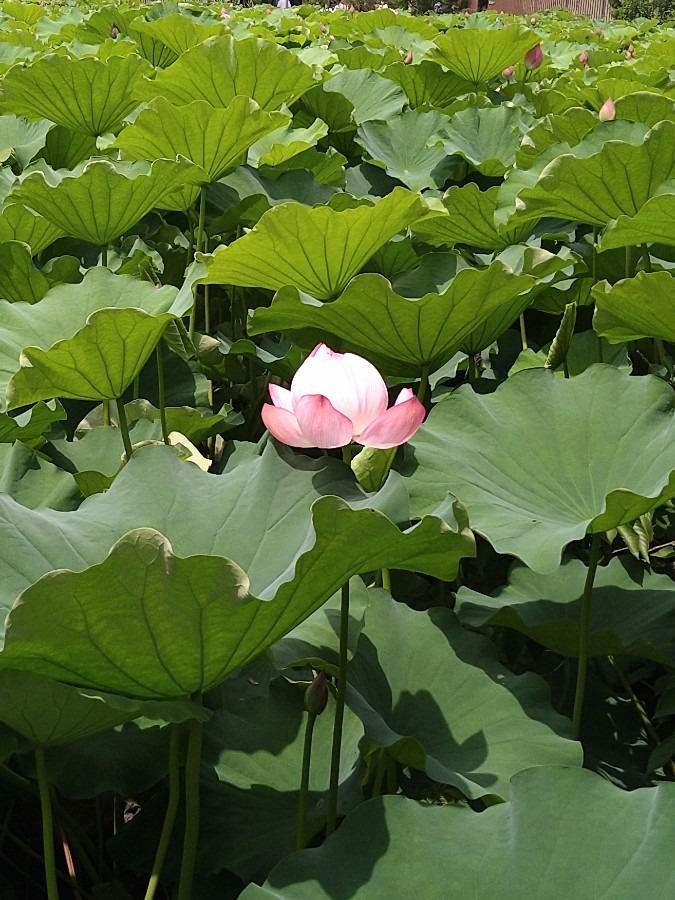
column 583, row 57
column 337, row 398
column 508, row 73
column 607, row 111
column 534, row 58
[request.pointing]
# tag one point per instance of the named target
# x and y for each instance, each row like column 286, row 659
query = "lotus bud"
column 583, row 57
column 533, row 20
column 607, row 111
column 598, row 29
column 224, row 14
column 408, row 58
column 508, row 73
column 323, row 28
column 534, row 58
column 316, row 695
column 631, row 49
column 114, row 32
column 628, row 54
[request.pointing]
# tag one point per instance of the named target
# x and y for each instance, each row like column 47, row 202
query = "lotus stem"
column 301, row 834
column 339, row 712
column 423, row 385
column 198, row 247
column 523, row 332
column 47, row 825
column 191, row 836
column 386, row 579
column 170, row 814
column 124, row 428
column 105, row 411
column 162, row 393
column 584, row 628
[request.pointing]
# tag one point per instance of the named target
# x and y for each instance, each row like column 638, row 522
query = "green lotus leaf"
column 544, row 460
column 409, row 147
column 66, row 149
column 632, row 611
column 31, row 424
column 632, row 308
column 17, row 223
column 654, row 223
column 645, row 106
column 462, row 717
column 616, row 181
column 470, row 221
column 478, row 55
column 585, row 350
column 427, row 84
column 19, row 279
column 98, row 363
column 178, row 32
column 101, row 200
column 86, row 95
column 213, row 139
column 371, row 95
column 401, row 336
column 281, row 145
column 220, row 68
column 523, row 848
column 24, row 139
column 300, row 560
column 487, row 138
column 65, row 310
column 33, row 481
column 318, row 250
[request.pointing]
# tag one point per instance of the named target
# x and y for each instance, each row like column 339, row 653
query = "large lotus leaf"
column 652, row 223
column 66, row 149
column 221, row 67
column 632, row 308
column 632, row 611
column 21, row 139
column 524, row 848
column 33, row 481
column 461, row 717
column 17, row 223
column 178, row 32
column 487, row 138
column 479, row 55
column 101, row 200
column 31, row 424
column 98, row 363
column 19, row 279
column 409, row 147
column 213, row 139
column 401, row 336
column 66, row 308
column 543, row 460
column 470, row 221
column 372, row 96
column 193, row 619
column 614, row 182
column 427, row 84
column 86, row 95
column 644, row 106
column 317, row 250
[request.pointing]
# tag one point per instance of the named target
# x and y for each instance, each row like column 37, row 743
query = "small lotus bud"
column 508, row 73
column 631, row 48
column 316, row 695
column 583, row 57
column 534, row 58
column 607, row 111
column 408, row 58
column 533, row 20
column 323, row 28
column 628, row 54
column 598, row 29
column 114, row 32
column 224, row 14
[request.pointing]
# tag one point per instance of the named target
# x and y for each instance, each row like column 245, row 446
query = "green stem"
column 627, row 264
column 386, row 579
column 523, row 332
column 198, row 247
column 124, row 428
column 137, row 387
column 170, row 814
column 646, row 258
column 594, row 258
column 162, row 394
column 191, row 837
column 104, row 256
column 47, row 825
column 106, row 412
column 301, row 834
column 339, row 713
column 584, row 628
column 423, row 385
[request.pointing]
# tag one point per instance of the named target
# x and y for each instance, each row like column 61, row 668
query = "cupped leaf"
column 19, row 278
column 427, row 84
column 17, row 223
column 632, row 611
column 632, row 308
column 31, row 424
column 22, row 139
column 220, row 68
column 477, row 55
column 317, row 250
column 401, row 336
column 487, row 138
column 371, row 96
column 177, row 31
column 510, row 851
column 213, row 139
column 543, row 460
column 101, row 200
column 86, row 95
column 653, row 223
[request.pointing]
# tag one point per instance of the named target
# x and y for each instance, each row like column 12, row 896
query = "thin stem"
column 171, row 810
column 162, row 393
column 627, row 264
column 106, row 412
column 646, row 258
column 584, row 627
column 104, row 256
column 124, row 428
column 472, row 371
column 198, row 247
column 386, row 579
column 137, row 387
column 594, row 258
column 301, row 834
column 523, row 332
column 339, row 712
column 47, row 825
column 191, row 837
column 423, row 385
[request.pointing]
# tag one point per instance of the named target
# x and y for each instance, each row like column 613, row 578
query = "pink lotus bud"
column 631, row 48
column 583, row 57
column 628, row 54
column 224, row 14
column 323, row 28
column 534, row 58
column 408, row 58
column 533, row 20
column 607, row 111
column 508, row 73
column 337, row 398
column 114, row 32
column 316, row 695
column 598, row 29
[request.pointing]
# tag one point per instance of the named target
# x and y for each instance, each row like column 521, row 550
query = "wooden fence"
column 595, row 9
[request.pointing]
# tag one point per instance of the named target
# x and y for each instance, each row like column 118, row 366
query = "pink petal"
column 352, row 384
column 281, row 397
column 321, row 423
column 395, row 426
column 283, row 425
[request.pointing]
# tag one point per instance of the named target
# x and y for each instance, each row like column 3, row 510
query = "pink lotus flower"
column 607, row 111
column 534, row 58
column 337, row 398
column 508, row 73
column 408, row 58
column 583, row 57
